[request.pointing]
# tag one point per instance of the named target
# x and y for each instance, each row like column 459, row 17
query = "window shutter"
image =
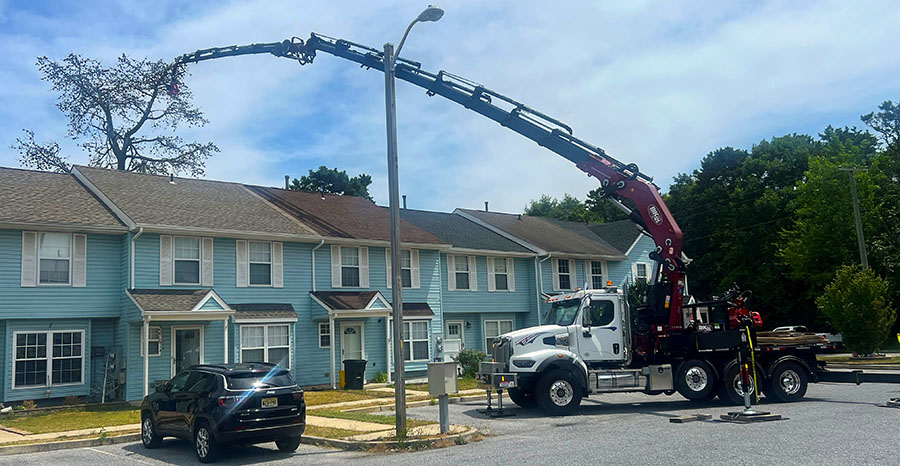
column 414, row 262
column 363, row 267
column 387, row 261
column 451, row 273
column 29, row 258
column 633, row 272
column 242, row 263
column 166, row 263
column 511, row 274
column 573, row 269
column 473, row 276
column 555, row 264
column 492, row 286
column 79, row 261
column 335, row 266
column 206, row 259
column 277, row 265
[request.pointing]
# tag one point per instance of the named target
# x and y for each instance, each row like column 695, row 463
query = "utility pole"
column 859, row 230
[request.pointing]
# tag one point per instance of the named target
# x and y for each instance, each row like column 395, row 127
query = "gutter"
column 540, row 283
column 131, row 251
column 314, row 263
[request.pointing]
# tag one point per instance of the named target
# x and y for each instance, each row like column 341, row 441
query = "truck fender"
column 790, row 358
column 568, row 363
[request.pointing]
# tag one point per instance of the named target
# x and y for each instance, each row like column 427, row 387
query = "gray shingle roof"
column 28, row 196
column 543, row 234
column 460, row 232
column 582, row 229
column 345, row 300
column 152, row 300
column 263, row 311
column 620, row 234
column 191, row 203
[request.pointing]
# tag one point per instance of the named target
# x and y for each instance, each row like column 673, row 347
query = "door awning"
column 198, row 304
column 343, row 304
column 264, row 313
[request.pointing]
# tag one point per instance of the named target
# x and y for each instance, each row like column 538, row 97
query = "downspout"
column 131, row 259
column 540, row 282
column 314, row 263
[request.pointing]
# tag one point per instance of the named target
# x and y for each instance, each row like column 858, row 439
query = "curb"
column 366, row 445
column 66, row 444
column 415, row 404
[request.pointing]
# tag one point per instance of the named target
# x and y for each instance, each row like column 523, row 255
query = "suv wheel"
column 205, row 444
column 288, row 444
column 149, row 436
column 558, row 392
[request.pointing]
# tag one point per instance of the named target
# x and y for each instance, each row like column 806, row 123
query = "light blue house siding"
column 91, row 309
column 621, row 272
column 474, row 307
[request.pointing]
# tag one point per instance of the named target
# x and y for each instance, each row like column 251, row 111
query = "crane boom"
column 617, row 179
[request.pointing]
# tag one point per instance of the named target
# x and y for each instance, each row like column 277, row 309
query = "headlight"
column 523, row 363
column 562, row 339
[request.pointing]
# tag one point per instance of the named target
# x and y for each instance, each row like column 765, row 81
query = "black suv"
column 217, row 405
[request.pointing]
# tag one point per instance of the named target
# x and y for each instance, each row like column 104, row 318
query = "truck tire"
column 522, row 398
column 788, row 383
column 730, row 391
column 558, row 392
column 695, row 380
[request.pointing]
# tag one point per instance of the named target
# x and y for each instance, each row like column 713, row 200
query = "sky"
column 660, row 84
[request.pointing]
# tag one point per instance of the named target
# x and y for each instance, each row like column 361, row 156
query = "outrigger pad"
column 892, row 403
column 742, row 417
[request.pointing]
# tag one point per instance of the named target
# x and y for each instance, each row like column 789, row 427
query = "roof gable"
column 621, row 234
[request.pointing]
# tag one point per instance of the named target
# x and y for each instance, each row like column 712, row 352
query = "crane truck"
column 592, row 342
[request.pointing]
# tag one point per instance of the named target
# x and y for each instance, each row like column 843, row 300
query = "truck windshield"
column 563, row 312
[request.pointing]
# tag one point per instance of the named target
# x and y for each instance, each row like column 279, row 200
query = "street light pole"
column 859, row 229
column 431, row 13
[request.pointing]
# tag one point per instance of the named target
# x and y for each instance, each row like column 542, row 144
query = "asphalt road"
column 836, row 424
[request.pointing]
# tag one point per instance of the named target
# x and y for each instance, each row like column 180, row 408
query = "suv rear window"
column 251, row 380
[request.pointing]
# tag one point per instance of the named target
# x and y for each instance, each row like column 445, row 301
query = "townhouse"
column 112, row 281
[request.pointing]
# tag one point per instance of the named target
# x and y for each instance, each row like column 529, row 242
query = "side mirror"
column 162, row 388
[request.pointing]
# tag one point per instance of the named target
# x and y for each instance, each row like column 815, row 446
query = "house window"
column 55, row 254
column 266, row 343
column 324, row 336
column 597, row 279
column 461, row 269
column 641, row 272
column 415, row 340
column 187, row 260
column 260, row 263
column 406, row 269
column 563, row 270
column 349, row 266
column 64, row 360
column 493, row 329
column 154, row 341
column 501, row 275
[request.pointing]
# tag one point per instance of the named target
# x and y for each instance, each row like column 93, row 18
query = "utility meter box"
column 442, row 378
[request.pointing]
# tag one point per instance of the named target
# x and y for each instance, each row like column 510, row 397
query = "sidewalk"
column 7, row 436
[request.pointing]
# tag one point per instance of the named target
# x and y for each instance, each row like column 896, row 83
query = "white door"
column 351, row 341
column 601, row 335
column 455, row 332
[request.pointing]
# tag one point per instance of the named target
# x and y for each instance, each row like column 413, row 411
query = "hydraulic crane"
column 618, row 180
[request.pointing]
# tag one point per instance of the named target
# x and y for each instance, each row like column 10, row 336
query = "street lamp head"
column 432, row 13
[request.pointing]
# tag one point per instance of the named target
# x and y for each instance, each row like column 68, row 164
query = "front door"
column 600, row 338
column 351, row 341
column 455, row 332
column 187, row 348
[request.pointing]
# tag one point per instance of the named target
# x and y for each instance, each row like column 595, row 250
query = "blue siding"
column 620, row 272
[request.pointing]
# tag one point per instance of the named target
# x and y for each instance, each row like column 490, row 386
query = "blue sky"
column 656, row 83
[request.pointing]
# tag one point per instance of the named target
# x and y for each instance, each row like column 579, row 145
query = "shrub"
column 857, row 304
column 29, row 404
column 73, row 400
column 380, row 377
column 469, row 360
column 637, row 293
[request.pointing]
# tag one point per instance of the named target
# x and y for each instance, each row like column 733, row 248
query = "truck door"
column 601, row 334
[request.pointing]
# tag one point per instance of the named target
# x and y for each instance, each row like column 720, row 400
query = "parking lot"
column 837, row 424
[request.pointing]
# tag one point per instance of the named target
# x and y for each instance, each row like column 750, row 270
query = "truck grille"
column 502, row 350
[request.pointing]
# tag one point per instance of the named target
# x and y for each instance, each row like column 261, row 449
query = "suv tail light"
column 298, row 395
column 227, row 400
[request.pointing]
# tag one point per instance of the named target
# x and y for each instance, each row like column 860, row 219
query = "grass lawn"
column 324, row 397
column 329, row 432
column 88, row 417
column 366, row 417
column 464, row 383
column 894, row 360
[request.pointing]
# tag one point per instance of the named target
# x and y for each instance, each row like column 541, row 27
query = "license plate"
column 269, row 402
column 508, row 384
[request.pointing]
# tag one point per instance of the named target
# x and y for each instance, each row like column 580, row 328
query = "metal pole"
column 444, row 411
column 859, row 230
column 396, row 285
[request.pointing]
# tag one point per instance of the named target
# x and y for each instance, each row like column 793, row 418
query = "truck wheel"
column 522, row 398
column 788, row 383
column 731, row 391
column 695, row 380
column 558, row 392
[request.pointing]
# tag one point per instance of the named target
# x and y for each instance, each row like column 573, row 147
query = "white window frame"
column 603, row 273
column 358, row 267
column 49, row 358
column 512, row 326
column 456, row 272
column 462, row 330
column 570, row 273
column 494, row 273
column 266, row 347
column 199, row 261
column 407, row 322
column 647, row 268
column 271, row 264
column 68, row 259
column 327, row 328
column 155, row 336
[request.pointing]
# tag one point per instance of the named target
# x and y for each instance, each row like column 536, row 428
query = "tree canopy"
column 333, row 181
column 125, row 117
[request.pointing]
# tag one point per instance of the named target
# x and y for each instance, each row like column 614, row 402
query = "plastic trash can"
column 354, row 373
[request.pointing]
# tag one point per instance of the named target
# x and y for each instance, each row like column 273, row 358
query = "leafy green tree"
column 637, row 293
column 857, row 304
column 333, row 181
column 567, row 208
column 602, row 210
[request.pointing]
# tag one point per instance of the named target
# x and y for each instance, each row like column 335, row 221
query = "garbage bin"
column 354, row 373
